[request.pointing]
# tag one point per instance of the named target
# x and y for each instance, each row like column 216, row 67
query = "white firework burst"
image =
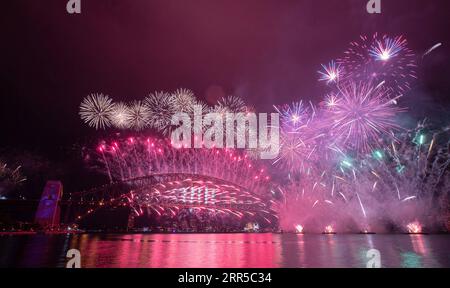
column 331, row 100
column 96, row 110
column 184, row 100
column 231, row 104
column 161, row 106
column 121, row 116
column 139, row 115
column 204, row 109
column 234, row 104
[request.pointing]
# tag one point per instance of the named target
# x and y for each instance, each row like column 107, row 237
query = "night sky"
column 267, row 52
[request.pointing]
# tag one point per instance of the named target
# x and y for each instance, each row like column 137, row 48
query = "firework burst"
column 139, row 115
column 331, row 73
column 296, row 150
column 381, row 58
column 202, row 109
column 362, row 116
column 293, row 116
column 96, row 110
column 291, row 151
column 387, row 48
column 121, row 115
column 343, row 161
column 230, row 104
column 184, row 100
column 331, row 100
column 161, row 108
column 139, row 157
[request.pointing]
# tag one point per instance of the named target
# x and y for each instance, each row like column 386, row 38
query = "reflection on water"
column 225, row 250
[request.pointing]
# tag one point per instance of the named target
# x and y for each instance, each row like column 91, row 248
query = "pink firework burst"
column 362, row 117
column 381, row 58
column 387, row 48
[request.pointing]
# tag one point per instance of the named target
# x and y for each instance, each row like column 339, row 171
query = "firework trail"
column 96, row 110
column 139, row 157
column 432, row 49
column 305, row 201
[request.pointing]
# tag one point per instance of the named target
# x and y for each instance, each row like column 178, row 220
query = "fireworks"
column 295, row 151
column 293, row 116
column 161, row 108
column 432, row 49
column 296, row 137
column 362, row 116
column 331, row 73
column 208, row 179
column 155, row 111
column 142, row 157
column 387, row 48
column 371, row 190
column 139, row 115
column 183, row 100
column 381, row 58
column 231, row 104
column 298, row 228
column 120, row 116
column 96, row 110
column 10, row 178
column 414, row 228
column 328, row 230
column 331, row 100
column 346, row 161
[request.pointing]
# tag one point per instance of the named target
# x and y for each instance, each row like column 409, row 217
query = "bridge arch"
column 172, row 194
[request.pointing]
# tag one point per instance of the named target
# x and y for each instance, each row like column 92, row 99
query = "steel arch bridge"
column 171, row 193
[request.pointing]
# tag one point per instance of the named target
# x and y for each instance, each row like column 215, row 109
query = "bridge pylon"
column 49, row 211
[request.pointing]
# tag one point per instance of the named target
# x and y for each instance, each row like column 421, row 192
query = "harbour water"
column 224, row 250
